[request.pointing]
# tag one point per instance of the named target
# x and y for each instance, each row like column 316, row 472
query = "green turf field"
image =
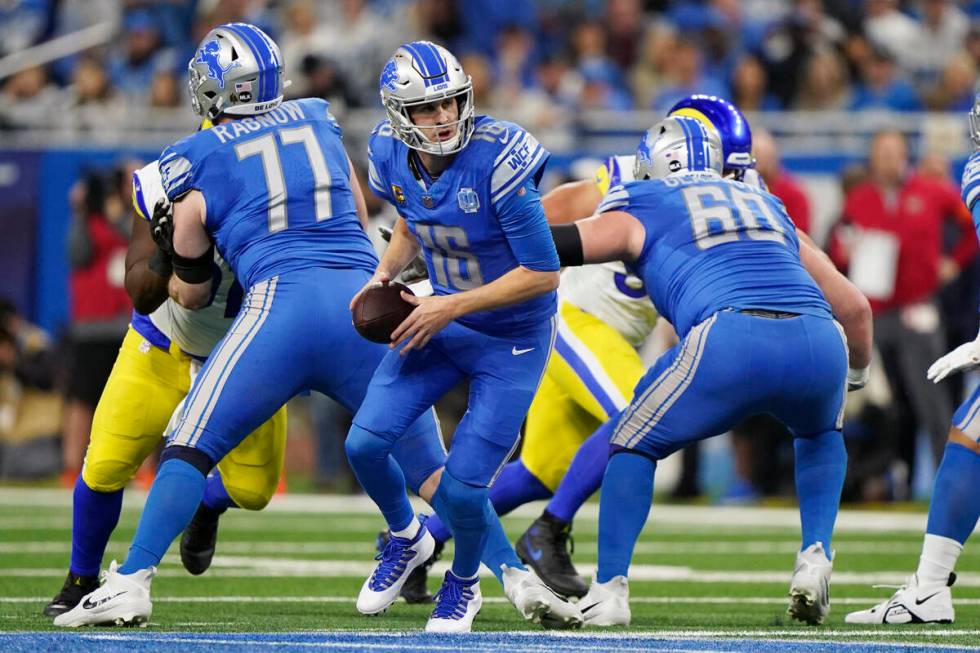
column 297, row 566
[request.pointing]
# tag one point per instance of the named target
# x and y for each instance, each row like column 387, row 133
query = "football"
column 380, row 310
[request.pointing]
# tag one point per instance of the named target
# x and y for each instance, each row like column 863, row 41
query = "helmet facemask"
column 413, row 135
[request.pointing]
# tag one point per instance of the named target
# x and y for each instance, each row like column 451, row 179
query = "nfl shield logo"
column 469, row 201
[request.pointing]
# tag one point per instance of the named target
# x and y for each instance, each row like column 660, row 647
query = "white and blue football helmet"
column 975, row 120
column 236, row 69
column 418, row 73
column 676, row 145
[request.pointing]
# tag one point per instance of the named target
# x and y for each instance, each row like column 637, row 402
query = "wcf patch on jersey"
column 469, row 201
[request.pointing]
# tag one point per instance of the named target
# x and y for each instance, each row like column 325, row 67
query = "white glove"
column 962, row 358
column 857, row 378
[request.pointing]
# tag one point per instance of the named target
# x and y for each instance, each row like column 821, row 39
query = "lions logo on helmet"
column 678, row 145
column 420, row 73
column 208, row 55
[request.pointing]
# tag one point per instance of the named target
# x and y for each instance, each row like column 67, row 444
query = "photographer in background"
column 100, row 306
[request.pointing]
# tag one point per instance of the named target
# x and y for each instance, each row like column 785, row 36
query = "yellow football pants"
column 144, row 389
column 590, row 377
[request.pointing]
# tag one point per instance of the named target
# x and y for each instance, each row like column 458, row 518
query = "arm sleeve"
column 970, row 183
column 377, row 184
column 522, row 218
column 965, row 248
column 615, row 200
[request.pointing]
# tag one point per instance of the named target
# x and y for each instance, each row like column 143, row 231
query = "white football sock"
column 410, row 531
column 938, row 559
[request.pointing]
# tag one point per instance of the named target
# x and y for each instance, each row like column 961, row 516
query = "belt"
column 766, row 313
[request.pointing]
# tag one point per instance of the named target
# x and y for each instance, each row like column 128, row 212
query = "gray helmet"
column 237, row 69
column 975, row 120
column 418, row 73
column 675, row 145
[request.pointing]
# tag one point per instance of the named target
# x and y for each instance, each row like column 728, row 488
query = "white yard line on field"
column 695, row 516
column 651, row 600
column 225, row 566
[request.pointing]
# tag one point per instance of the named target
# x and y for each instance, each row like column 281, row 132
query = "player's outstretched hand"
column 430, row 316
column 379, row 278
column 964, row 357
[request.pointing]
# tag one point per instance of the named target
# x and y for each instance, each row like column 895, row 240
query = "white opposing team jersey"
column 608, row 290
column 195, row 332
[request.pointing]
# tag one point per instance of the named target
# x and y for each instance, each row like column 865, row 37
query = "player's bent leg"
column 141, row 392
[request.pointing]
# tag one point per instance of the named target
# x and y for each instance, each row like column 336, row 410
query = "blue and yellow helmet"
column 723, row 116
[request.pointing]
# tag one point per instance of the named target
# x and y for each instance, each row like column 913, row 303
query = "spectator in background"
column 99, row 315
column 301, row 37
column 513, row 67
column 650, row 72
column 27, row 99
column 892, row 31
column 548, row 104
column 600, row 88
column 36, row 365
column 92, row 102
column 626, row 26
column 892, row 248
column 825, row 84
column 685, row 76
column 142, row 56
column 780, row 183
column 164, row 92
column 486, row 94
column 881, row 87
column 954, row 89
column 749, row 86
column 322, row 79
column 941, row 35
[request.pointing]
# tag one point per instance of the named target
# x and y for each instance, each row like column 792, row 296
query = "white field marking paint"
column 250, row 524
column 696, row 516
column 850, row 548
column 250, row 567
column 649, row 600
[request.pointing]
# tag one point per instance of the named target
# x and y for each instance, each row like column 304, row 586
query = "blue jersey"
column 480, row 219
column 714, row 243
column 277, row 190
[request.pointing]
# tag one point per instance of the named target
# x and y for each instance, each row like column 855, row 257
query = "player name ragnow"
column 283, row 114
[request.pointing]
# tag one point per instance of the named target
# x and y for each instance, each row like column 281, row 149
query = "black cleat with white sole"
column 199, row 540
column 71, row 594
column 546, row 548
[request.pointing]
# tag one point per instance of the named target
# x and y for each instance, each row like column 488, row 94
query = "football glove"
column 964, row 357
column 162, row 226
column 416, row 270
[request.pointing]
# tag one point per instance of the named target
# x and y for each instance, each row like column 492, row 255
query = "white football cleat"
column 122, row 600
column 809, row 589
column 607, row 604
column 457, row 604
column 537, row 602
column 911, row 604
column 398, row 559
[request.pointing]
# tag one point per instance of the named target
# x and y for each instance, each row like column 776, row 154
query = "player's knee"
column 251, row 498
column 108, row 475
column 464, row 503
column 364, row 447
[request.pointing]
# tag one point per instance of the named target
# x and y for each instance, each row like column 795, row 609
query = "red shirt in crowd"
column 794, row 198
column 97, row 290
column 916, row 216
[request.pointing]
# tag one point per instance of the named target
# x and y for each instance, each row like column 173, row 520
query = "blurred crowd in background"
column 901, row 232
column 547, row 58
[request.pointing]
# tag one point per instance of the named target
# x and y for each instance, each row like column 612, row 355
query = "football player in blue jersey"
column 270, row 186
column 722, row 262
column 465, row 188
column 955, row 505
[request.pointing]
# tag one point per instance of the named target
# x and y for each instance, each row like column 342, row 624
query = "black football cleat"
column 415, row 590
column 71, row 594
column 198, row 542
column 545, row 548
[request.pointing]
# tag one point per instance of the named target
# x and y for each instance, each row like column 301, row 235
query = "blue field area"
column 472, row 643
